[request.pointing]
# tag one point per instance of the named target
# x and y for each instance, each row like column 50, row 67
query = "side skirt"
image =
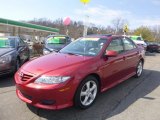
column 118, row 82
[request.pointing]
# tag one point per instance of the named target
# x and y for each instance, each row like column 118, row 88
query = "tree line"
column 75, row 29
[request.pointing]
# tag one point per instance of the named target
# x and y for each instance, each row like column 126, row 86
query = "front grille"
column 25, row 77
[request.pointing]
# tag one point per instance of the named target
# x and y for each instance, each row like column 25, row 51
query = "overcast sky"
column 100, row 12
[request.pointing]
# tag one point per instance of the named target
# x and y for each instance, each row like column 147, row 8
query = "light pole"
column 86, row 17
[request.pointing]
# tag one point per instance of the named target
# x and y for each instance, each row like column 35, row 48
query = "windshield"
column 85, row 46
column 56, row 42
column 7, row 42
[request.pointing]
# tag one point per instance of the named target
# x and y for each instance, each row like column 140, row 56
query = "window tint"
column 116, row 45
column 128, row 44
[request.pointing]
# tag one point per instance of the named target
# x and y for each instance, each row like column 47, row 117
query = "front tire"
column 86, row 93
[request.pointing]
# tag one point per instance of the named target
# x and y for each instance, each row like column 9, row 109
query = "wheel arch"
column 94, row 75
column 142, row 59
column 97, row 77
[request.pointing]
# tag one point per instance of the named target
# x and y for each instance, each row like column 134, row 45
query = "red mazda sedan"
column 81, row 70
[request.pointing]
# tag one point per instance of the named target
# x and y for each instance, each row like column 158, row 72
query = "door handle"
column 124, row 57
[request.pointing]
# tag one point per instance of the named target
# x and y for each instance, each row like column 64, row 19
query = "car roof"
column 104, row 36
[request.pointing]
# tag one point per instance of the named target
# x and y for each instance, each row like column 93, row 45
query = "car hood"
column 52, row 62
column 4, row 51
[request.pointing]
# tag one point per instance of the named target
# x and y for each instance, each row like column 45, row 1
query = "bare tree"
column 75, row 29
column 118, row 24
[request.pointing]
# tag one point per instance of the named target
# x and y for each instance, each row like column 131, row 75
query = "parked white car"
column 138, row 40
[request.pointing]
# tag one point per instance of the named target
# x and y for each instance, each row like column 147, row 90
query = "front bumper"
column 6, row 68
column 57, row 96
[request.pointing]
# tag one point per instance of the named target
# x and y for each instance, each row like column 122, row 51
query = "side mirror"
column 111, row 53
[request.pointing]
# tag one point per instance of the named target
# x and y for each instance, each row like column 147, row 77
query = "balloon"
column 66, row 21
column 85, row 1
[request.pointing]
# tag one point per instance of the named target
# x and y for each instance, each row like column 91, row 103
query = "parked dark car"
column 78, row 72
column 153, row 47
column 54, row 43
column 13, row 53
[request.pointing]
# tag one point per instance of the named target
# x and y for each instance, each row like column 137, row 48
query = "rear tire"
column 86, row 93
column 139, row 69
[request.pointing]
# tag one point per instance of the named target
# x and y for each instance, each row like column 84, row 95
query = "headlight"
column 45, row 52
column 145, row 45
column 5, row 59
column 52, row 79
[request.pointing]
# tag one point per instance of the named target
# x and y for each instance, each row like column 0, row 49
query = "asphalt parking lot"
column 134, row 99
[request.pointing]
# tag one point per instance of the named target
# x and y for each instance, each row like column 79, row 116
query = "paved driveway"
column 134, row 99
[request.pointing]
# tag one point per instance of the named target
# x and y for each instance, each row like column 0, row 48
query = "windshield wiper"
column 71, row 53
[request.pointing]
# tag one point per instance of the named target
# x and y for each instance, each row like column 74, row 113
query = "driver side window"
column 116, row 45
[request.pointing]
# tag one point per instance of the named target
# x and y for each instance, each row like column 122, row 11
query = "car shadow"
column 109, row 103
column 6, row 81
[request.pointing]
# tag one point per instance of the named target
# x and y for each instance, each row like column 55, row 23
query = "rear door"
column 131, row 55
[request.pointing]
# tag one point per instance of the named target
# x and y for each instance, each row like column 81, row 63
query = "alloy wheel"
column 139, row 69
column 88, row 93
